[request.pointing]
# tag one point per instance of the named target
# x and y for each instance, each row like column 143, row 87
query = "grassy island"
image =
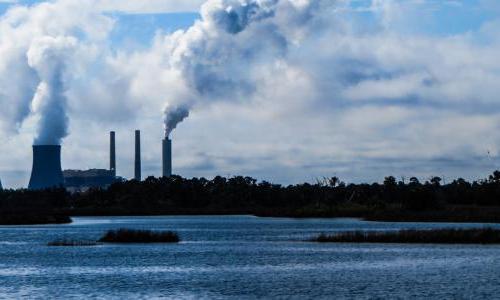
column 434, row 236
column 139, row 236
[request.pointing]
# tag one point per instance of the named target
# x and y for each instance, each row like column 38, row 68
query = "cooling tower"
column 112, row 153
column 137, row 172
column 46, row 171
column 167, row 157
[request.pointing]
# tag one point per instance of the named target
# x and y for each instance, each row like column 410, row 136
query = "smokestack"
column 137, row 155
column 167, row 157
column 112, row 153
column 46, row 171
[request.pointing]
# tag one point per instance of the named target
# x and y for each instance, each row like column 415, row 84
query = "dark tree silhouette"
column 459, row 200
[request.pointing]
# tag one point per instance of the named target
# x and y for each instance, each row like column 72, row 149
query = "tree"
column 414, row 181
column 390, row 181
column 436, row 181
column 495, row 177
column 333, row 181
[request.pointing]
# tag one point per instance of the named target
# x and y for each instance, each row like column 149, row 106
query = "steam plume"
column 47, row 56
column 174, row 117
column 219, row 57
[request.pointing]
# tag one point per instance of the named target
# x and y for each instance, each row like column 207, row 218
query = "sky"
column 286, row 91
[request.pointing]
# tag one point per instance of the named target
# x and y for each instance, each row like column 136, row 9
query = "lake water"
column 241, row 257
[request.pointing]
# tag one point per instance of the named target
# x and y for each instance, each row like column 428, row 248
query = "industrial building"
column 47, row 171
column 78, row 180
column 81, row 180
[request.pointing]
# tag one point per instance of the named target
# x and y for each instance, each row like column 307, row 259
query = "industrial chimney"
column 46, row 171
column 137, row 172
column 112, row 153
column 167, row 157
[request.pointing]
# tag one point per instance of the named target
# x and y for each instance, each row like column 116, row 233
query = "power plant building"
column 47, row 171
column 79, row 181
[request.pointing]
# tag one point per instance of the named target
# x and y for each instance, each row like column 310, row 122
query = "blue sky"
column 140, row 29
column 136, row 29
column 435, row 17
column 360, row 89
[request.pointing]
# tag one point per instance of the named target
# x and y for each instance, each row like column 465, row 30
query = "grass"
column 434, row 236
column 139, row 236
column 72, row 243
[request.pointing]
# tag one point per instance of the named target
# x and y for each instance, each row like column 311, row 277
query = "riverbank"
column 412, row 201
column 449, row 214
column 33, row 219
column 434, row 236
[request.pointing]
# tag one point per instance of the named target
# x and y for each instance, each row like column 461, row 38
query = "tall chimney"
column 167, row 157
column 137, row 173
column 46, row 171
column 112, row 153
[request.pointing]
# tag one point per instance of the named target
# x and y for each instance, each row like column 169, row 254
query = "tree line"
column 328, row 197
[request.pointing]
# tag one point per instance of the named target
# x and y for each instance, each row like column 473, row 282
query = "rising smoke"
column 48, row 57
column 221, row 56
column 173, row 117
column 37, row 46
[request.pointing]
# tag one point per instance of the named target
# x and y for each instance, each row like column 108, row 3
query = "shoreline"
column 33, row 219
column 459, row 214
column 477, row 236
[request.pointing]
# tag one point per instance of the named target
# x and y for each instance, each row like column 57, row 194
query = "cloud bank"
column 286, row 90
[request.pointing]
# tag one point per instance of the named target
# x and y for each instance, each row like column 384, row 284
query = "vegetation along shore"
column 392, row 200
column 434, row 236
column 123, row 236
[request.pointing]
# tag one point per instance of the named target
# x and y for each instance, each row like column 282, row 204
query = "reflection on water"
column 240, row 256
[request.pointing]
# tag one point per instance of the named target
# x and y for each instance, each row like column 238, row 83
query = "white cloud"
column 288, row 96
column 149, row 6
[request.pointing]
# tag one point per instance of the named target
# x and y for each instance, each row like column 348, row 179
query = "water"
column 241, row 257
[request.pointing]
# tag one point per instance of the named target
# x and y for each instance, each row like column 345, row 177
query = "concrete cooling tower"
column 46, row 171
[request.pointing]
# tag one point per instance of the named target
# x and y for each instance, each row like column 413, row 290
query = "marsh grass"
column 434, row 236
column 139, row 236
column 72, row 243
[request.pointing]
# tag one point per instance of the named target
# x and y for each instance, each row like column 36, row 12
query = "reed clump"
column 139, row 236
column 72, row 243
column 433, row 236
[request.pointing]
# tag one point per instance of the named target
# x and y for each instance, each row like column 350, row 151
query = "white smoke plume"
column 174, row 116
column 49, row 56
column 221, row 56
column 37, row 44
